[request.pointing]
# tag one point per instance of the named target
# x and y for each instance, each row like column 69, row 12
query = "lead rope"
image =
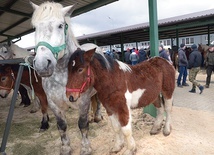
column 29, row 68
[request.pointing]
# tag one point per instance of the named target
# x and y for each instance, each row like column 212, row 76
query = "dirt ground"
column 192, row 133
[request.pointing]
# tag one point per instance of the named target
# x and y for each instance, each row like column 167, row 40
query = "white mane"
column 124, row 66
column 46, row 11
column 71, row 34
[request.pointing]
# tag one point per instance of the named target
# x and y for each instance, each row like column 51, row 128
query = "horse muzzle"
column 44, row 68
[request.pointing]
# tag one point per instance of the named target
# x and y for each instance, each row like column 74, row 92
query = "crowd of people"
column 189, row 63
column 193, row 63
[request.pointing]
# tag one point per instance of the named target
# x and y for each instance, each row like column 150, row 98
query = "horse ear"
column 68, row 10
column 90, row 54
column 33, row 5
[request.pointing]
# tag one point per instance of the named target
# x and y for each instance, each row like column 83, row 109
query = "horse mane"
column 46, row 11
column 70, row 32
column 105, row 61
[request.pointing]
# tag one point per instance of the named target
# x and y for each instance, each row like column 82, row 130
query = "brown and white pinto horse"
column 8, row 74
column 121, row 87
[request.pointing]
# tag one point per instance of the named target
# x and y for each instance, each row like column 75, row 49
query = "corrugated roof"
column 188, row 25
column 15, row 15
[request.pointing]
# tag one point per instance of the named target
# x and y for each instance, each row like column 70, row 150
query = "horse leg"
column 127, row 132
column 97, row 110
column 168, row 109
column 119, row 139
column 159, row 119
column 93, row 108
column 44, row 107
column 83, row 122
column 36, row 105
column 25, row 100
column 62, row 127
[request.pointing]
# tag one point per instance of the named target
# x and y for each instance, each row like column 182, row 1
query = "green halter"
column 54, row 50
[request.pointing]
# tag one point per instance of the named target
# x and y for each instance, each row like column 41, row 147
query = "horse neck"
column 101, row 75
column 71, row 46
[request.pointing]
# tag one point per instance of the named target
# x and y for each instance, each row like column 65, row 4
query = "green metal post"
column 177, row 39
column 208, row 35
column 122, row 48
column 154, row 38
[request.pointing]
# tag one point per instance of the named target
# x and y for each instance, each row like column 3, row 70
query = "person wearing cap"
column 195, row 59
column 163, row 53
column 209, row 61
column 182, row 63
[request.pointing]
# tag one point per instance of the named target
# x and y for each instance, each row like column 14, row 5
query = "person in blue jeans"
column 182, row 63
column 134, row 58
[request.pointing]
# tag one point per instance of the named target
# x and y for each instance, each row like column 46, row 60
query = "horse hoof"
column 21, row 104
column 166, row 131
column 155, row 132
column 86, row 151
column 66, row 150
column 116, row 149
column 98, row 119
column 33, row 111
column 130, row 152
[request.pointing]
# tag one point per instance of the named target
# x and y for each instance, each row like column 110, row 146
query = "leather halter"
column 11, row 87
column 80, row 90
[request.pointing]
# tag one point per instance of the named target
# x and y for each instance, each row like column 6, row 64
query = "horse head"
column 50, row 35
column 5, row 51
column 80, row 74
column 6, row 80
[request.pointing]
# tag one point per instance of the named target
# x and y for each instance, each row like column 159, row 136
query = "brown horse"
column 121, row 87
column 8, row 74
column 203, row 49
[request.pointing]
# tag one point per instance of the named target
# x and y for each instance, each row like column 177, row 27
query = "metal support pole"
column 208, row 35
column 153, row 30
column 11, row 110
column 154, row 39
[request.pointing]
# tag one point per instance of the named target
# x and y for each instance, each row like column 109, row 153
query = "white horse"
column 12, row 51
column 55, row 43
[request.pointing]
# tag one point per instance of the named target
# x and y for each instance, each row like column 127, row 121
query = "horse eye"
column 60, row 26
column 3, row 78
column 80, row 70
column 5, row 51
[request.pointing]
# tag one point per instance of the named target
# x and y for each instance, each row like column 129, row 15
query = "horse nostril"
column 49, row 62
column 71, row 99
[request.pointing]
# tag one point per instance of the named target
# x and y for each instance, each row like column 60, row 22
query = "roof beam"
column 91, row 6
column 15, row 12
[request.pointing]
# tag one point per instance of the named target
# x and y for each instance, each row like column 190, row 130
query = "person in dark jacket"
column 142, row 55
column 163, row 53
column 127, row 55
column 209, row 62
column 182, row 63
column 195, row 59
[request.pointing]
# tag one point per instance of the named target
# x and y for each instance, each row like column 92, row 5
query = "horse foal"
column 121, row 87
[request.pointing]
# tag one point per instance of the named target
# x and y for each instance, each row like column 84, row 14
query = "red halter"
column 80, row 90
column 11, row 87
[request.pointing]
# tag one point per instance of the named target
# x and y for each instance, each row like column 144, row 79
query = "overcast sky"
column 125, row 13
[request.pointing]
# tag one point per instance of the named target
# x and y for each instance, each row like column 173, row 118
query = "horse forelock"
column 46, row 11
column 77, row 54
